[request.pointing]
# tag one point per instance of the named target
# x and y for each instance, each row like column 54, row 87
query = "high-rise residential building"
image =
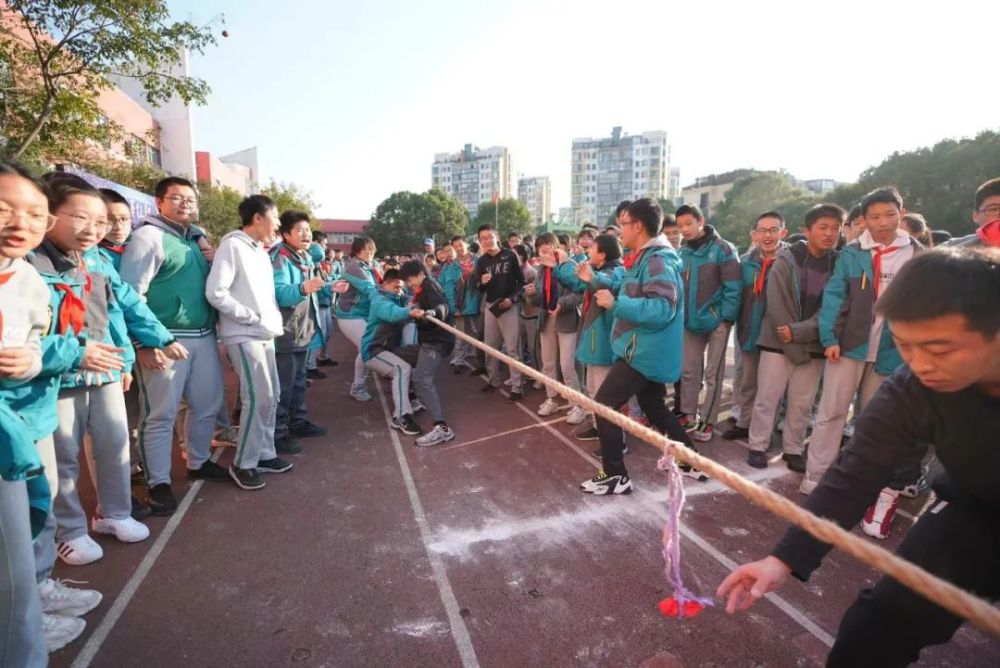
column 611, row 169
column 474, row 175
column 674, row 184
column 535, row 192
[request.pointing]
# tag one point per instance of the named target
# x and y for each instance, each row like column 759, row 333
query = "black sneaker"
column 479, row 371
column 315, row 374
column 691, row 472
column 209, row 471
column 406, row 425
column 276, row 465
column 598, row 453
column 735, row 432
column 607, row 484
column 140, row 510
column 457, row 368
column 515, row 395
column 587, row 434
column 757, row 459
column 795, row 463
column 308, row 430
column 487, row 388
column 287, row 446
column 246, row 478
column 326, row 362
column 161, row 500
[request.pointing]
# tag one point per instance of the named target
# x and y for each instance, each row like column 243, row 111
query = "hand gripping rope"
column 683, row 603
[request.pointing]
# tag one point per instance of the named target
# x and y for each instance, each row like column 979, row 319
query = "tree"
column 218, row 210
column 752, row 196
column 404, row 219
column 513, row 216
column 56, row 56
column 667, row 205
column 289, row 196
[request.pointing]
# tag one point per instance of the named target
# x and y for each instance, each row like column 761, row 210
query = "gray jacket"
column 568, row 320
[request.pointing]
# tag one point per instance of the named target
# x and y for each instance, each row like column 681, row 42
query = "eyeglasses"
column 38, row 222
column 178, row 200
column 120, row 220
column 80, row 221
column 769, row 231
column 993, row 210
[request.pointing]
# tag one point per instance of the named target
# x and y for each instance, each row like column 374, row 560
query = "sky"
column 351, row 100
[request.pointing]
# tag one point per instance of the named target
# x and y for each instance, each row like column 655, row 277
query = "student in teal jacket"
column 353, row 305
column 468, row 304
column 646, row 337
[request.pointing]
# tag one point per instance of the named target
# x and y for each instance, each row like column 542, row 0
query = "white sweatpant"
column 257, row 367
column 354, row 330
column 558, row 353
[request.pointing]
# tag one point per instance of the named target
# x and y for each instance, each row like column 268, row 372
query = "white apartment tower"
column 535, row 192
column 474, row 175
column 611, row 169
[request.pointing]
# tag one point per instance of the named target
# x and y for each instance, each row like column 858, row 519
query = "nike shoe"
column 602, row 484
column 878, row 519
column 406, row 425
column 441, row 433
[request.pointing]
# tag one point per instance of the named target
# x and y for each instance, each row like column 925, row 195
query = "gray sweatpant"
column 558, row 354
column 45, row 542
column 595, row 375
column 471, row 326
column 100, row 412
column 259, row 390
column 776, row 374
column 392, row 366
column 713, row 370
column 502, row 333
column 22, row 644
column 291, row 411
column 198, row 379
column 841, row 379
column 746, row 393
column 427, row 360
column 530, row 344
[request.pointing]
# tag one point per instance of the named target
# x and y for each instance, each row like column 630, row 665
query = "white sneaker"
column 878, row 519
column 126, row 530
column 441, row 433
column 61, row 631
column 58, row 599
column 808, row 485
column 576, row 415
column 360, row 393
column 548, row 408
column 79, row 551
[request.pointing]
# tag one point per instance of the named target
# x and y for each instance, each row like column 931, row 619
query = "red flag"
column 496, row 198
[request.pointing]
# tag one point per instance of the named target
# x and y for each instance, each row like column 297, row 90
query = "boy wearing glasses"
column 986, row 216
column 119, row 227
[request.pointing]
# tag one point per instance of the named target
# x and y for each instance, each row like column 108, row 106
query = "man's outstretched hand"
column 749, row 582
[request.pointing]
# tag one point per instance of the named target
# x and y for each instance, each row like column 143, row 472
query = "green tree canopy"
column 404, row 219
column 752, row 196
column 56, row 56
column 218, row 210
column 288, row 196
column 513, row 216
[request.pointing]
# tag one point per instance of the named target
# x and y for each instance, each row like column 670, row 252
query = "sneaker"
column 808, row 485
column 416, row 405
column 690, row 472
column 515, row 395
column 138, row 476
column 126, row 530
column 315, row 374
column 589, row 433
column 548, row 407
column 308, row 430
column 735, row 432
column 275, row 465
column 209, row 471
column 287, row 446
column 487, row 388
column 457, row 369
column 703, row 433
column 576, row 415
column 140, row 510
column 248, row 479
column 915, row 489
column 603, row 483
column 327, row 362
column 60, row 631
column 879, row 517
column 479, row 371
column 735, row 412
column 598, row 453
column 441, row 433
column 689, row 422
column 226, row 438
column 58, row 599
column 79, row 551
column 360, row 393
column 757, row 459
column 795, row 463
column 161, row 500
column 406, row 425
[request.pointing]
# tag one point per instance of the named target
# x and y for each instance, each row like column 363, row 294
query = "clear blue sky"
column 352, row 99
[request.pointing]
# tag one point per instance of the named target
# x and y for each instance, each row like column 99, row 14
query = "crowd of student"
column 114, row 338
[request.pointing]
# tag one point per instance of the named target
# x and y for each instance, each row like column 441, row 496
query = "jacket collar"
column 902, row 240
column 167, row 225
column 704, row 240
column 59, row 261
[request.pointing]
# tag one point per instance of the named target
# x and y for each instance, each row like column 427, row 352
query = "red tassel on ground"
column 669, row 607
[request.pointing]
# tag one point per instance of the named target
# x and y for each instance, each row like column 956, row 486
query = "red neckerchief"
column 765, row 264
column 877, row 265
column 73, row 308
column 632, row 258
column 113, row 248
column 547, row 285
column 990, row 233
column 294, row 257
column 376, row 274
column 3, row 280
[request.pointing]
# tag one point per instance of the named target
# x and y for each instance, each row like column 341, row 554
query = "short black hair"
column 885, row 195
column 586, row 231
column 63, row 185
column 546, row 239
column 689, row 210
column 648, row 212
column 257, row 204
column 112, row 196
column 940, row 236
column 359, row 243
column 947, row 281
column 289, row 219
column 411, row 268
column 669, row 220
column 474, row 247
column 513, row 234
column 457, row 237
column 769, row 214
column 989, row 189
column 484, row 227
column 854, row 213
column 523, row 252
column 919, row 228
column 622, row 206
column 163, row 185
column 319, row 235
column 610, row 246
column 564, row 239
column 17, row 169
column 824, row 211
column 393, row 274
column 795, row 238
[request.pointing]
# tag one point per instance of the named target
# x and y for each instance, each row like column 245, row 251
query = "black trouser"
column 888, row 626
column 622, row 382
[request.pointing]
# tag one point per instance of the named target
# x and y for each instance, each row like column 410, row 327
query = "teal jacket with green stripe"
column 847, row 314
column 385, row 317
column 712, row 282
column 164, row 264
column 648, row 328
column 593, row 344
column 752, row 306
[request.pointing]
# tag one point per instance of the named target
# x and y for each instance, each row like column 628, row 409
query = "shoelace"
column 60, row 590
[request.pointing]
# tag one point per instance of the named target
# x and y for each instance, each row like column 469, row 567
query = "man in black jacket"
column 434, row 345
column 498, row 273
column 944, row 312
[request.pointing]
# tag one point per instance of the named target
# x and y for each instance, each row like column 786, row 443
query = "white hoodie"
column 241, row 288
column 891, row 264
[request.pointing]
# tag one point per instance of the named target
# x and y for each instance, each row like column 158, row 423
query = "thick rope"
column 939, row 591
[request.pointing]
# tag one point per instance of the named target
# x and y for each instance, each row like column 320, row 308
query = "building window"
column 155, row 157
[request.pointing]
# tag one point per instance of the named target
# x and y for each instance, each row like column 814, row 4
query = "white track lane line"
column 492, row 436
column 459, row 632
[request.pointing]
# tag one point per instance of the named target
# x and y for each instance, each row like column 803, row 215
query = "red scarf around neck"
column 877, row 265
column 990, row 233
column 74, row 308
column 758, row 286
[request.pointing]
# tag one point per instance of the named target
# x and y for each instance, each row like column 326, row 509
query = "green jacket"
column 593, row 344
column 752, row 305
column 712, row 282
